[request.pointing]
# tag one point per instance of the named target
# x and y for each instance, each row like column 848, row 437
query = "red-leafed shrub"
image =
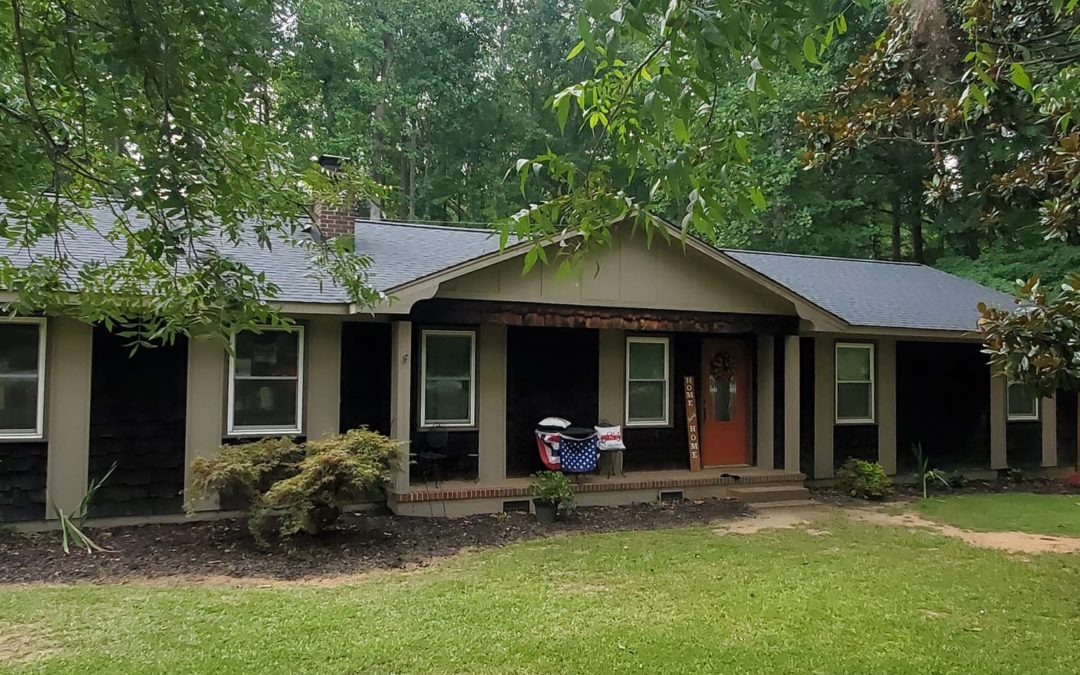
column 1073, row 480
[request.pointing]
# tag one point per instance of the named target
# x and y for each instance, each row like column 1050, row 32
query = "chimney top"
column 330, row 162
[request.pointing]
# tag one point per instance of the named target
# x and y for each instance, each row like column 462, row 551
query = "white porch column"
column 323, row 387
column 998, row 421
column 766, row 401
column 206, row 389
column 886, row 404
column 612, row 378
column 792, row 374
column 401, row 397
column 491, row 403
column 824, row 406
column 1048, row 408
column 67, row 429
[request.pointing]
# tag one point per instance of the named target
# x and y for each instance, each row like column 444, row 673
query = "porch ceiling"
column 572, row 316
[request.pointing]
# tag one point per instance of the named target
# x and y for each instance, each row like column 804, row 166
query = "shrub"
column 866, row 480
column 554, row 487
column 1073, row 480
column 299, row 488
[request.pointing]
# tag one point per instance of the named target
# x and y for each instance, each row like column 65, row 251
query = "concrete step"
column 786, row 504
column 770, row 493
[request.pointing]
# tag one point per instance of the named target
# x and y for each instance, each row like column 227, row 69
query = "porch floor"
column 589, row 483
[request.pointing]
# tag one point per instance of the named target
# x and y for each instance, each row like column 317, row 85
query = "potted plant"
column 551, row 491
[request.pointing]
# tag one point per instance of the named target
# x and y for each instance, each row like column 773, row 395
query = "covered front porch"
column 473, row 407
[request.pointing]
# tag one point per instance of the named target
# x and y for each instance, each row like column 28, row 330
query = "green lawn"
column 850, row 598
column 1022, row 512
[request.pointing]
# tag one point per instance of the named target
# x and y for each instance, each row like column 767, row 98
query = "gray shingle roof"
column 404, row 252
column 878, row 294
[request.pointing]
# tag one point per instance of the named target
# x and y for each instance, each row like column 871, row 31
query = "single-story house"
column 796, row 363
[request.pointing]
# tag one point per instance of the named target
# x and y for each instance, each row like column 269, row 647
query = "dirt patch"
column 904, row 492
column 1014, row 542
column 773, row 519
column 222, row 553
column 21, row 644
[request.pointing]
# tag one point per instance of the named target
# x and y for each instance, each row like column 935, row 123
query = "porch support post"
column 886, row 404
column 491, row 403
column 792, row 373
column 1048, row 408
column 612, row 378
column 204, row 423
column 68, row 427
column 998, row 421
column 824, row 406
column 323, row 387
column 401, row 397
column 766, row 401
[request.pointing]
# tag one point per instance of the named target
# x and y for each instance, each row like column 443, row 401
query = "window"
column 22, row 378
column 647, row 399
column 854, row 383
column 448, row 396
column 1022, row 405
column 266, row 382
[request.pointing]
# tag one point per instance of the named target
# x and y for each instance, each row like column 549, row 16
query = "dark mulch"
column 359, row 544
column 903, row 492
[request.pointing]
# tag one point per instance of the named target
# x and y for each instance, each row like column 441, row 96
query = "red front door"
column 725, row 397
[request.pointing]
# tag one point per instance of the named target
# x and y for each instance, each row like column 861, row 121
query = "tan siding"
column 491, row 402
column 323, row 387
column 627, row 274
column 206, row 390
column 68, row 424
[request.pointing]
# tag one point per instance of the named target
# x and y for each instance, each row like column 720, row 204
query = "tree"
column 161, row 108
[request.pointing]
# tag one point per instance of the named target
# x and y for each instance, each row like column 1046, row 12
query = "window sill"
column 447, row 427
column 648, row 425
column 17, row 437
column 851, row 423
column 241, row 433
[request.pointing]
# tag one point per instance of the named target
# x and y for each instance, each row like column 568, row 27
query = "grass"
column 1017, row 511
column 856, row 598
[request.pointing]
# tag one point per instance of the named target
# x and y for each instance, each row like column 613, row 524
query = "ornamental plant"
column 553, row 487
column 866, row 480
column 293, row 488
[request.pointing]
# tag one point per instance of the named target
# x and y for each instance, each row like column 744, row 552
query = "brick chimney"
column 334, row 220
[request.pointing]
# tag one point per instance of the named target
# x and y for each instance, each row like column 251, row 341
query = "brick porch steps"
column 765, row 494
column 520, row 489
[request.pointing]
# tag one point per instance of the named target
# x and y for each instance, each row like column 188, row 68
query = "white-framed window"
column 854, row 383
column 22, row 378
column 266, row 382
column 648, row 399
column 447, row 378
column 1022, row 406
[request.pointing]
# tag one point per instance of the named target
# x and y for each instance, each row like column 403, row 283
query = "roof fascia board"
column 912, row 334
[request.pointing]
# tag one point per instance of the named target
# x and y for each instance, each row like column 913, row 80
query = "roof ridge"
column 827, row 257
column 426, row 226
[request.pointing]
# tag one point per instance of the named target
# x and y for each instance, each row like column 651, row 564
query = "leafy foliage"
column 866, row 480
column 553, row 487
column 71, row 524
column 298, row 488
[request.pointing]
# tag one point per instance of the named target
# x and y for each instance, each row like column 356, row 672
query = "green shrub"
column 866, row 480
column 298, row 488
column 554, row 487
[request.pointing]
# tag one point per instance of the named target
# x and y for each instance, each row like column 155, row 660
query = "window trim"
column 869, row 347
column 425, row 423
column 1010, row 416
column 38, row 432
column 666, row 421
column 233, row 429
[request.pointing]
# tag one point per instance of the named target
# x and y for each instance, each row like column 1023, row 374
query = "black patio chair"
column 430, row 459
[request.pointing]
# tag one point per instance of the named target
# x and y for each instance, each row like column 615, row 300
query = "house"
column 796, row 363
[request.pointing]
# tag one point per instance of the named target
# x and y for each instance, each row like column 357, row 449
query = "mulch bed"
column 903, row 492
column 358, row 544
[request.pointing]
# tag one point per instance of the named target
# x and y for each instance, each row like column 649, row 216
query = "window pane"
column 264, row 403
column 18, row 403
column 446, row 401
column 1021, row 404
column 646, row 401
column 853, row 401
column 19, row 349
column 272, row 354
column 723, row 397
column 449, row 356
column 852, row 365
column 646, row 360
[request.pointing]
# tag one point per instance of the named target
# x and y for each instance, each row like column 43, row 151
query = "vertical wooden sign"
column 693, row 438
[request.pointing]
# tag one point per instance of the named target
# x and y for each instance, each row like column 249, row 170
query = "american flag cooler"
column 579, row 455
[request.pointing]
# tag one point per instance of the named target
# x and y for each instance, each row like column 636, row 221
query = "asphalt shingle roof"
column 879, row 294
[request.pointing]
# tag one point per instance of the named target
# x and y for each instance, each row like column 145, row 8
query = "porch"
column 455, row 498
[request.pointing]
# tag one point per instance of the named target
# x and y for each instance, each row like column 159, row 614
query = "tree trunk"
column 917, row 230
column 896, row 233
column 411, row 169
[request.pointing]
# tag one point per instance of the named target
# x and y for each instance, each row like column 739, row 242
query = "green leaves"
column 1020, row 78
